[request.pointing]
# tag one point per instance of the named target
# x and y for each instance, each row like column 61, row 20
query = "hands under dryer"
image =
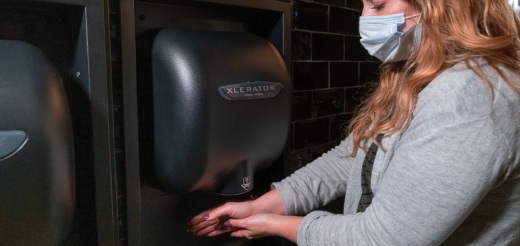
column 262, row 217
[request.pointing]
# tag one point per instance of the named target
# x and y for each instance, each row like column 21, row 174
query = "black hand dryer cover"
column 36, row 149
column 221, row 103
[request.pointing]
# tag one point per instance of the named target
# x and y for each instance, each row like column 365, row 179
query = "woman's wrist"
column 285, row 226
column 270, row 202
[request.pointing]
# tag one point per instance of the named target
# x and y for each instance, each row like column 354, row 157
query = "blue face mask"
column 381, row 38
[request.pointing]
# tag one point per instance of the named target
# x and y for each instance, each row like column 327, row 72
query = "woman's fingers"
column 211, row 214
column 225, row 211
column 203, row 227
column 214, row 221
column 200, row 217
column 221, row 230
column 210, row 228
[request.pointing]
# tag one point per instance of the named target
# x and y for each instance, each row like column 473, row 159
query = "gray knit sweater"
column 452, row 177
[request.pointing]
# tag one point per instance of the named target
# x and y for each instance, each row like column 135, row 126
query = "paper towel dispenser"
column 36, row 149
column 221, row 103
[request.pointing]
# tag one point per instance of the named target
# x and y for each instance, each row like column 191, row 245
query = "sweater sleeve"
column 450, row 157
column 320, row 181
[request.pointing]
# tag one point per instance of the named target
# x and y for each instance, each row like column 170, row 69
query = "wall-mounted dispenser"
column 36, row 149
column 221, row 103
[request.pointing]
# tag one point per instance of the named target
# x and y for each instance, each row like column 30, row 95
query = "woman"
column 446, row 119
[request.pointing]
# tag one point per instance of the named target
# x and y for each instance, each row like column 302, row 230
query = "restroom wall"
column 331, row 72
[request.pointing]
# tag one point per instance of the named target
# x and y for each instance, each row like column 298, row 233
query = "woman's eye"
column 378, row 6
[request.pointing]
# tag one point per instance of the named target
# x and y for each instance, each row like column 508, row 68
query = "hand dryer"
column 221, row 109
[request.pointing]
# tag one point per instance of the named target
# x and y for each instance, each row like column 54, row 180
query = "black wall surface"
column 331, row 74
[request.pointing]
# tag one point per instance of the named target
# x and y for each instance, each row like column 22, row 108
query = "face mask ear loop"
column 415, row 15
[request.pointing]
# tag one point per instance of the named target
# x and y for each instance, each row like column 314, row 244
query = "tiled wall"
column 330, row 70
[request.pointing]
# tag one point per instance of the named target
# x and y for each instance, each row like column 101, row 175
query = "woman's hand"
column 212, row 222
column 262, row 225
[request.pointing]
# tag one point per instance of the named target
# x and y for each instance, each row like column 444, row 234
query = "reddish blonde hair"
column 453, row 31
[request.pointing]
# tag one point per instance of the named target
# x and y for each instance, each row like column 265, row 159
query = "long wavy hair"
column 453, row 31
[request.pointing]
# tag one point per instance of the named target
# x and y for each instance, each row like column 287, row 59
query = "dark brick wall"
column 330, row 71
